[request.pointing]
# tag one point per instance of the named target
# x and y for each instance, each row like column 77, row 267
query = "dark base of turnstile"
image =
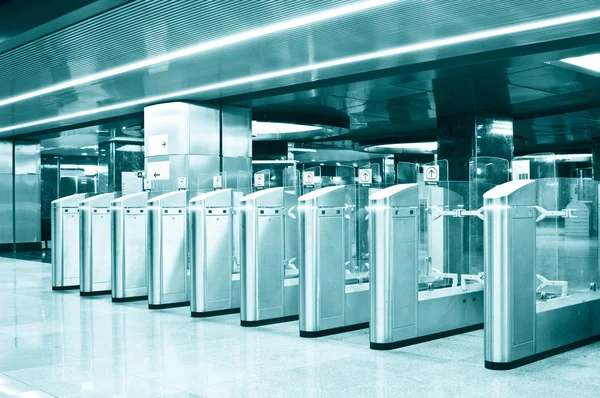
column 98, row 293
column 128, row 299
column 423, row 339
column 165, row 306
column 542, row 355
column 215, row 313
column 269, row 321
column 59, row 288
column 329, row 332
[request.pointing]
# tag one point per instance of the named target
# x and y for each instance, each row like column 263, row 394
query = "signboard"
column 131, row 182
column 157, row 170
column 521, row 170
column 308, row 178
column 217, row 182
column 147, row 184
column 259, row 180
column 158, row 145
column 431, row 174
column 182, row 183
column 365, row 176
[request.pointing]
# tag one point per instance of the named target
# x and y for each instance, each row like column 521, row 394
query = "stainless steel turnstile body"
column 128, row 229
column 166, row 252
column 518, row 328
column 214, row 245
column 65, row 242
column 268, row 244
column 327, row 304
column 401, row 314
column 94, row 242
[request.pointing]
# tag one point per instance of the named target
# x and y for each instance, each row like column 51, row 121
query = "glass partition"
column 407, row 173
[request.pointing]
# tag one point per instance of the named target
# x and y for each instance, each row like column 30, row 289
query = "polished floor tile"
column 60, row 344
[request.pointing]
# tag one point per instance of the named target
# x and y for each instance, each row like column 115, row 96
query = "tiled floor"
column 58, row 344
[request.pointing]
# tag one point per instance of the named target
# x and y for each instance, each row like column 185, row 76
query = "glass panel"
column 407, row 173
column 290, row 214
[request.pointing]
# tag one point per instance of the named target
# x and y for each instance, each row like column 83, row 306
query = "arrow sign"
column 157, row 170
column 259, row 180
column 365, row 176
column 308, row 178
column 156, row 175
column 158, row 145
column 431, row 173
column 164, row 144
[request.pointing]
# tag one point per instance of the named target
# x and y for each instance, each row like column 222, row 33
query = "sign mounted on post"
column 182, row 183
column 431, row 174
column 521, row 170
column 259, row 180
column 365, row 176
column 158, row 145
column 217, row 182
column 308, row 178
column 157, row 170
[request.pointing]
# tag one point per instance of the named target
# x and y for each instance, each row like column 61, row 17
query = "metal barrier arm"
column 441, row 275
column 545, row 282
column 566, row 213
column 466, row 277
column 436, row 212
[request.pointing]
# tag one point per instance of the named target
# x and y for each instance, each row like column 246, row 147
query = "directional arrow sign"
column 308, row 178
column 431, row 173
column 365, row 176
column 157, row 170
column 259, row 180
column 217, row 182
column 158, row 145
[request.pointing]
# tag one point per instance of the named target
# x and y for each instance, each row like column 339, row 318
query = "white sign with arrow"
column 365, row 176
column 308, row 178
column 158, row 145
column 157, row 170
column 259, row 180
column 431, row 173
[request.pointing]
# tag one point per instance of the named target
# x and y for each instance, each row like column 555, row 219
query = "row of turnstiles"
column 274, row 256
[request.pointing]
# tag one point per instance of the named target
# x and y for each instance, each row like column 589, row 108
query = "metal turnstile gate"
column 214, row 263
column 166, row 251
column 327, row 303
column 65, row 242
column 128, row 237
column 94, row 242
column 269, row 277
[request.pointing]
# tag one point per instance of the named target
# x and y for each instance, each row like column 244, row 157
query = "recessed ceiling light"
column 591, row 62
column 409, row 147
column 427, row 45
column 204, row 47
column 262, row 128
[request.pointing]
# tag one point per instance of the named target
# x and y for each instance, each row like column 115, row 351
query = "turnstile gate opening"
column 269, row 243
column 214, row 250
column 65, row 240
column 328, row 303
column 410, row 305
column 166, row 252
column 542, row 269
column 128, row 229
column 95, row 244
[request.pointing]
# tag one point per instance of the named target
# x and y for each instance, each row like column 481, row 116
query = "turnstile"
column 65, row 242
column 529, row 316
column 214, row 245
column 166, row 251
column 128, row 237
column 94, row 244
column 328, row 304
column 402, row 312
column 269, row 243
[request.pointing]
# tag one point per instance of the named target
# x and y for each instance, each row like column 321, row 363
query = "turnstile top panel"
column 102, row 200
column 138, row 199
column 69, row 201
column 517, row 193
column 170, row 199
column 334, row 196
column 219, row 198
column 401, row 195
column 271, row 197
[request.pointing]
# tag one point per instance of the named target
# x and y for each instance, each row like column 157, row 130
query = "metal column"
column 267, row 296
column 95, row 246
column 65, row 241
column 166, row 251
column 128, row 237
column 213, row 242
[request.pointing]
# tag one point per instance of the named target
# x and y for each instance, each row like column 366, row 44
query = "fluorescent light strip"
column 323, row 65
column 590, row 62
column 204, row 47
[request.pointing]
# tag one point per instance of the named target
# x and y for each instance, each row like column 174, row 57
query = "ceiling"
column 141, row 29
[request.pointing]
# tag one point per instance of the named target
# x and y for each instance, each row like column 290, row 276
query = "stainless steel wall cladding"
column 65, row 236
column 215, row 282
column 27, row 193
column 6, row 199
column 129, row 279
column 95, row 244
column 268, row 251
column 166, row 250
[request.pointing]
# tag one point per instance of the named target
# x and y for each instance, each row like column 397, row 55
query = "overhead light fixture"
column 591, row 62
column 428, row 45
column 311, row 150
column 208, row 46
column 262, row 128
column 409, row 147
